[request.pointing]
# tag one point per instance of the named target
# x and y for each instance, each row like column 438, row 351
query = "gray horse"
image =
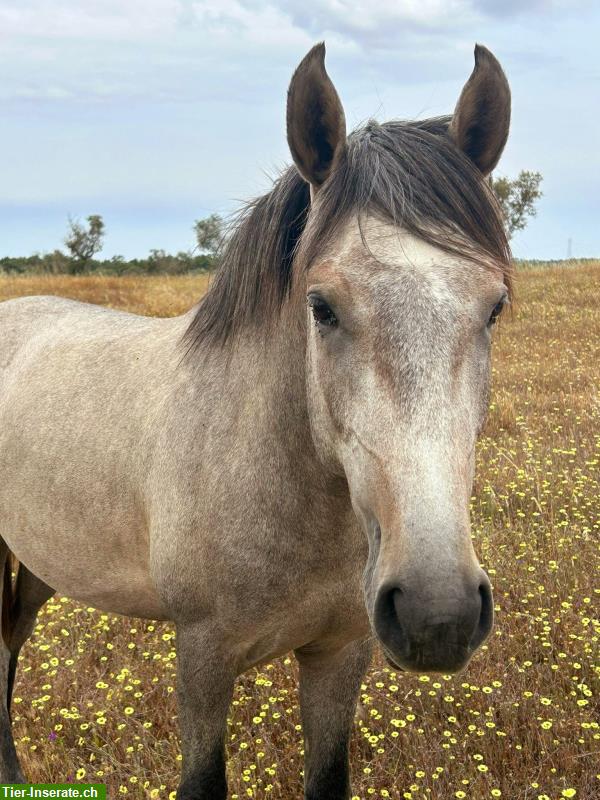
column 288, row 465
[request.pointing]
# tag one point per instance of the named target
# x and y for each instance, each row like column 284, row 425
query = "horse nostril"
column 388, row 616
column 396, row 599
column 486, row 615
column 390, row 601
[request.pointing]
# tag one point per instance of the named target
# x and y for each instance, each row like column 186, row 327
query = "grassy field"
column 95, row 693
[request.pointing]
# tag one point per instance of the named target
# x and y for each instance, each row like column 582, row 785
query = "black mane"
column 409, row 173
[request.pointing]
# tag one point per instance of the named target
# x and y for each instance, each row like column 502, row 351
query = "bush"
column 158, row 262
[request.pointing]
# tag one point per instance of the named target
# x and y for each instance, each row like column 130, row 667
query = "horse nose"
column 433, row 632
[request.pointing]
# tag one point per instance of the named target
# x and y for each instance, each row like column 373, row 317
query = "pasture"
column 95, row 698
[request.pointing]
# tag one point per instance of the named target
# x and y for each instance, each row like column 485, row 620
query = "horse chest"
column 270, row 593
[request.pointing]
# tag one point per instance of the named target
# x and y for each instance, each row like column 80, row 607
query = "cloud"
column 183, row 101
column 358, row 23
column 363, row 19
column 238, row 23
column 350, row 24
column 515, row 8
column 99, row 19
column 110, row 52
column 278, row 24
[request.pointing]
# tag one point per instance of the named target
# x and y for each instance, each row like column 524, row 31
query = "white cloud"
column 366, row 17
column 351, row 24
column 510, row 8
column 166, row 101
column 265, row 21
column 236, row 23
column 98, row 19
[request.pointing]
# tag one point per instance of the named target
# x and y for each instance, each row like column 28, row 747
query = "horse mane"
column 408, row 173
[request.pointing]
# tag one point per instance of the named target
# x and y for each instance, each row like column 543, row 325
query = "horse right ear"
column 481, row 119
column 316, row 125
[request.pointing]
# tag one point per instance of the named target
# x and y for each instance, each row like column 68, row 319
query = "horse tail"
column 8, row 599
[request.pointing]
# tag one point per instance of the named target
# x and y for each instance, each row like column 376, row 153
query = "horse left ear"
column 316, row 125
column 481, row 119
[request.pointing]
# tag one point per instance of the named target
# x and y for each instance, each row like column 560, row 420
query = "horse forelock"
column 407, row 173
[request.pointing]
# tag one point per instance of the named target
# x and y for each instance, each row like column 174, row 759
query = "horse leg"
column 30, row 594
column 329, row 689
column 205, row 679
column 10, row 769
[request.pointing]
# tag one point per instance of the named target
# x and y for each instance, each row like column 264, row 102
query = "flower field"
column 95, row 693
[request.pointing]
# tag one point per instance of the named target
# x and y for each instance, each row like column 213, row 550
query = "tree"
column 83, row 243
column 209, row 233
column 517, row 198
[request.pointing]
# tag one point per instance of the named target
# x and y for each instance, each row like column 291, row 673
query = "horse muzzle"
column 428, row 632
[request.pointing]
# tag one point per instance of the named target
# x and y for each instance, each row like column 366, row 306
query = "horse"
column 287, row 466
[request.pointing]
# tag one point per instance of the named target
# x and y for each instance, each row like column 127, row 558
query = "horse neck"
column 262, row 383
column 246, row 406
column 259, row 381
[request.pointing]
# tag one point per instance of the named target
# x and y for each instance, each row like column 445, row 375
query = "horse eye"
column 322, row 313
column 497, row 311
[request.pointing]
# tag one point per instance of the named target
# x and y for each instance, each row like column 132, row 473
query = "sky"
column 154, row 113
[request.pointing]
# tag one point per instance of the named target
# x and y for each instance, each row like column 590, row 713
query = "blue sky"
column 154, row 113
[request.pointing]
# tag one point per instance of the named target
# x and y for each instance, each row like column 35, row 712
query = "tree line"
column 84, row 241
column 517, row 199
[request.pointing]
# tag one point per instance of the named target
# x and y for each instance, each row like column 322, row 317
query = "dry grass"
column 95, row 697
column 158, row 296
